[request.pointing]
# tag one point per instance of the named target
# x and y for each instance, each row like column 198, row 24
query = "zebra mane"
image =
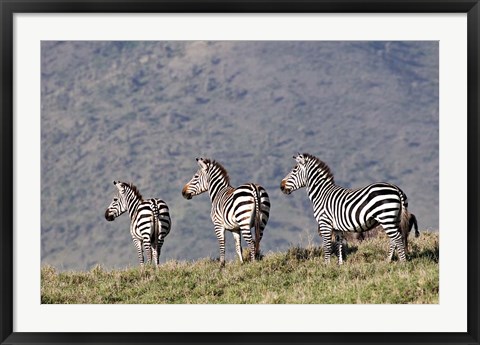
column 219, row 167
column 320, row 165
column 134, row 190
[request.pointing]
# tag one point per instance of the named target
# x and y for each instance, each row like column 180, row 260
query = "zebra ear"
column 300, row 159
column 118, row 184
column 201, row 163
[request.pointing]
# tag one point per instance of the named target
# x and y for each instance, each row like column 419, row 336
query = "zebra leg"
column 263, row 224
column 405, row 241
column 326, row 233
column 138, row 245
column 396, row 241
column 220, row 232
column 404, row 232
column 238, row 244
column 247, row 235
column 339, row 240
column 400, row 249
column 159, row 248
column 155, row 253
column 148, row 248
column 391, row 248
column 257, row 241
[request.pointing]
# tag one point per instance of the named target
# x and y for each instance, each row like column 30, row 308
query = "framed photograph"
column 158, row 93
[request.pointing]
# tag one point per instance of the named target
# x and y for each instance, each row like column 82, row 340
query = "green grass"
column 296, row 276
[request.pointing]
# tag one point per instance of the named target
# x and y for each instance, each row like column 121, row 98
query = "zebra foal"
column 149, row 220
column 338, row 209
column 233, row 209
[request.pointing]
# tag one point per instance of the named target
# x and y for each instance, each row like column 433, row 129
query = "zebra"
column 338, row 209
column 412, row 223
column 150, row 219
column 233, row 209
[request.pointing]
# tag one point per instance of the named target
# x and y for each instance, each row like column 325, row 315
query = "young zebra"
column 150, row 219
column 411, row 221
column 340, row 209
column 234, row 209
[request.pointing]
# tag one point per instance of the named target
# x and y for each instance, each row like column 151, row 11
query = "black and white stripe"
column 360, row 236
column 150, row 219
column 233, row 209
column 338, row 209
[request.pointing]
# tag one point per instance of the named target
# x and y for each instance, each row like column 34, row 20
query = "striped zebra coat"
column 149, row 220
column 338, row 209
column 360, row 236
column 233, row 209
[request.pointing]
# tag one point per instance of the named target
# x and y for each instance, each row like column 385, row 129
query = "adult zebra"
column 233, row 209
column 340, row 209
column 149, row 219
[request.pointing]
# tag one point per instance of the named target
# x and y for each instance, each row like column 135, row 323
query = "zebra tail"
column 257, row 221
column 156, row 223
column 404, row 219
column 413, row 219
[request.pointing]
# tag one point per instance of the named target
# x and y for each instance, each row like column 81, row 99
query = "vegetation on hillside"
column 297, row 275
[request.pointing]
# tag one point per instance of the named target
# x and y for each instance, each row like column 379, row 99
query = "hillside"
column 142, row 111
column 297, row 275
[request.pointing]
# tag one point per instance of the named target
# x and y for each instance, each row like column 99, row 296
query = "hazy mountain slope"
column 142, row 112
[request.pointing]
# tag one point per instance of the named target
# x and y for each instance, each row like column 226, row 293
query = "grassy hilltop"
column 297, row 275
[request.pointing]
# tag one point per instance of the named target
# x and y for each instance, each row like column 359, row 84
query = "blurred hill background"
column 142, row 111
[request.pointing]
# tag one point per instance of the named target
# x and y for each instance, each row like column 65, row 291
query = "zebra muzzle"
column 283, row 187
column 108, row 216
column 185, row 193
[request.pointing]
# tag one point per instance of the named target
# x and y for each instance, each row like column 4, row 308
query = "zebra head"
column 297, row 178
column 118, row 206
column 199, row 182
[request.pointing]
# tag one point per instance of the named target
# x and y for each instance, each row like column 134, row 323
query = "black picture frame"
column 9, row 8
